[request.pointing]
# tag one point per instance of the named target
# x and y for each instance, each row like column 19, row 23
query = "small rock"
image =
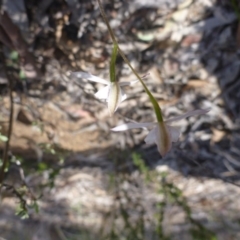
column 24, row 117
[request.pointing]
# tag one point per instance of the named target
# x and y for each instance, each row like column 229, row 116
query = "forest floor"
column 78, row 179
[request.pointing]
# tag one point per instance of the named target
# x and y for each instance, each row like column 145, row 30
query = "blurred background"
column 68, row 176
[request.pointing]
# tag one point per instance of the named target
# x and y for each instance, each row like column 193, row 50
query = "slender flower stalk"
column 154, row 102
column 162, row 133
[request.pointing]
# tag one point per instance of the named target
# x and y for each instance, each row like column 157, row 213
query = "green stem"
column 154, row 102
column 113, row 63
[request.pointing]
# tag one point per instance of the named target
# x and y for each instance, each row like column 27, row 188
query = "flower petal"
column 114, row 97
column 90, row 77
column 102, row 93
column 188, row 114
column 151, row 137
column 174, row 132
column 128, row 126
column 163, row 138
column 123, row 95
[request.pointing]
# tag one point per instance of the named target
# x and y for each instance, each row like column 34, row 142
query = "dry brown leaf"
column 196, row 83
column 155, row 75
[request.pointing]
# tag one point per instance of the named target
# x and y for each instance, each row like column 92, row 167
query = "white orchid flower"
column 162, row 134
column 112, row 93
